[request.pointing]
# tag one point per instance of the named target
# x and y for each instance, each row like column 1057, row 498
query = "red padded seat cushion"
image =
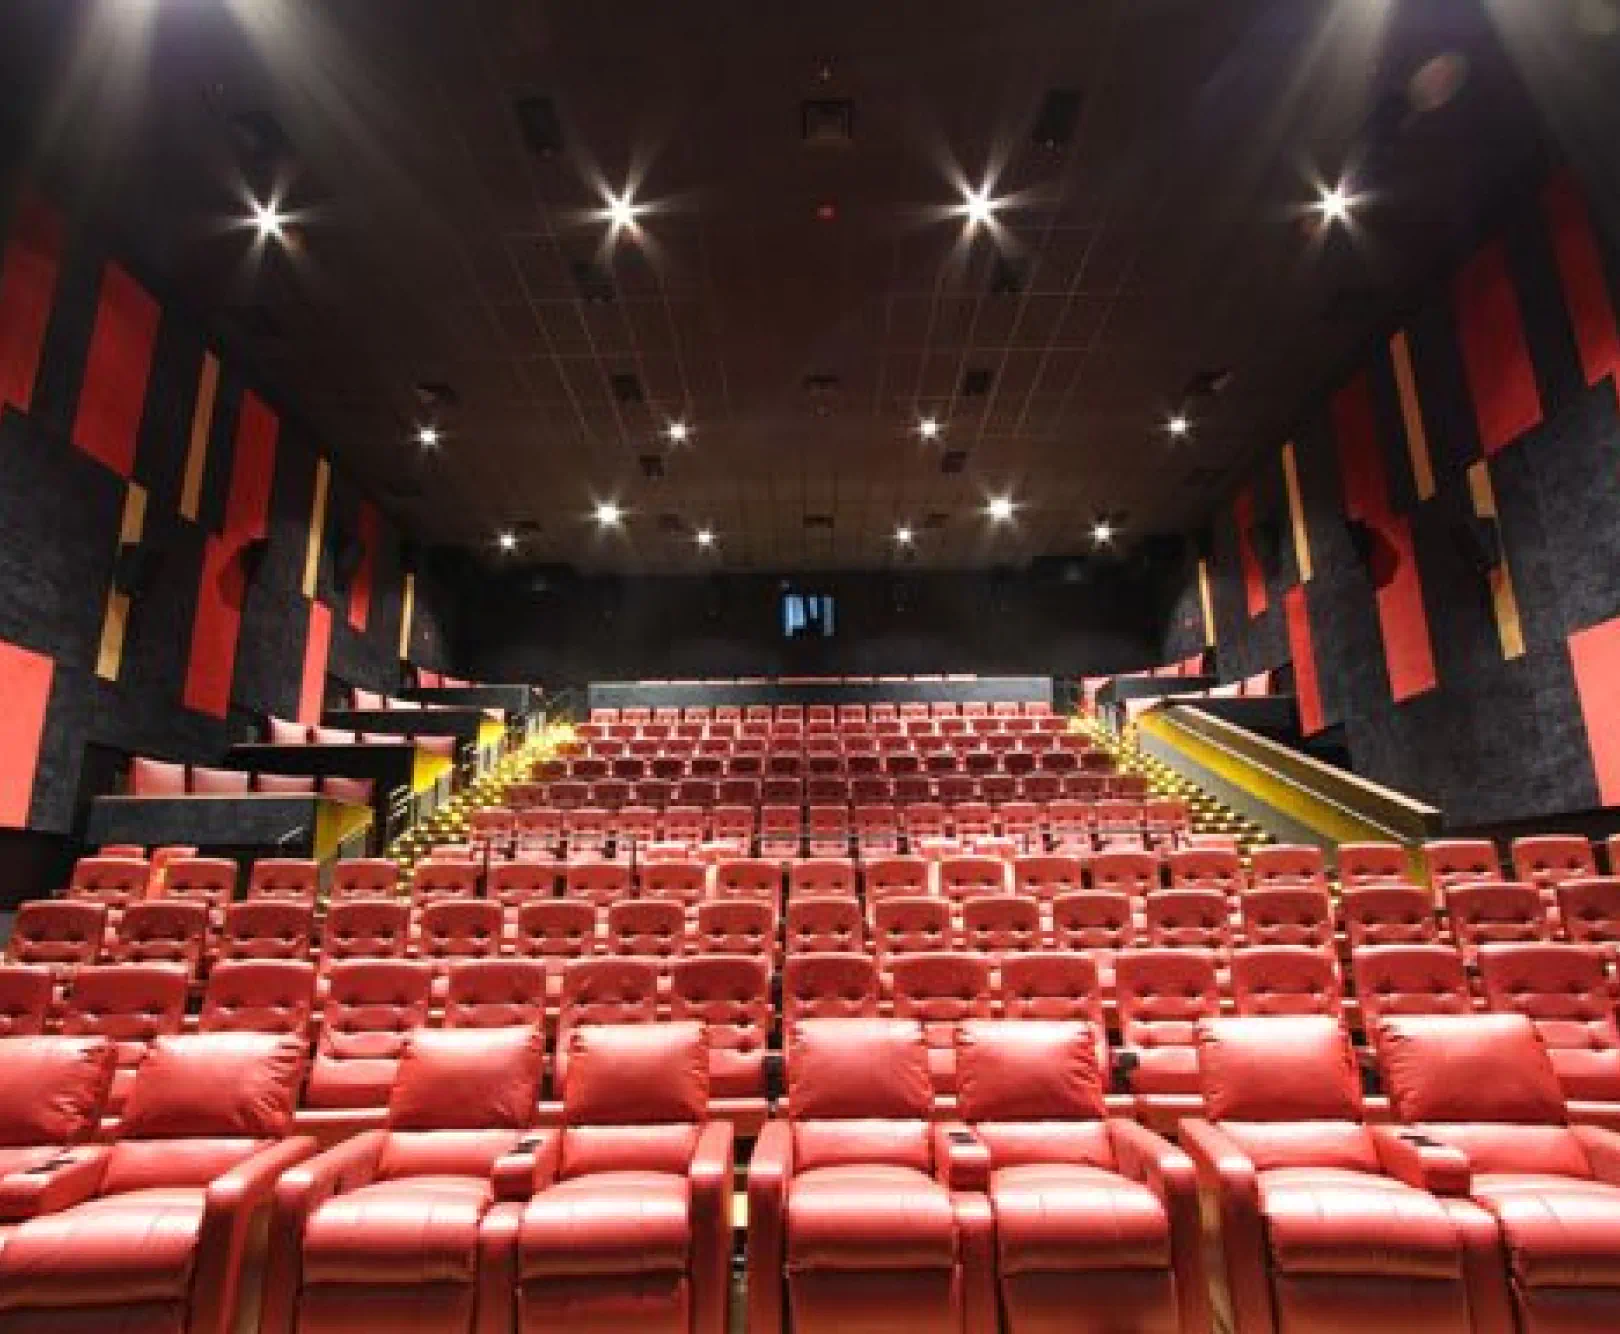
column 52, row 1088
column 413, row 1230
column 1560, row 1231
column 1329, row 1221
column 1056, row 1216
column 869, row 1216
column 139, row 1246
column 608, row 1223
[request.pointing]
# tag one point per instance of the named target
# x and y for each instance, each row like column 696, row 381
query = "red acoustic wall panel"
column 1496, row 357
column 218, row 621
column 27, row 285
column 1402, row 620
column 317, row 650
column 1254, row 575
column 1307, row 684
column 1595, row 654
column 25, row 686
column 113, row 390
column 360, row 588
column 1582, row 275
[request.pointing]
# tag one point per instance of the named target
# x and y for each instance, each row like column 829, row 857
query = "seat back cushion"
column 1028, row 1070
column 635, row 1099
column 1293, row 1068
column 201, row 1085
column 1478, row 1067
column 860, row 1092
column 468, row 1079
column 52, row 1088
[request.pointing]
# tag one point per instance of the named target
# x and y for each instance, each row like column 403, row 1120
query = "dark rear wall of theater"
column 577, row 630
column 122, row 418
column 1486, row 681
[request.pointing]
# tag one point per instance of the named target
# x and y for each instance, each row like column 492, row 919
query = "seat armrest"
column 1164, row 1169
column 302, row 1190
column 70, row 1178
column 769, row 1172
column 1411, row 1157
column 1602, row 1149
column 711, row 1176
column 961, row 1158
column 1234, row 1238
column 230, row 1205
column 516, row 1173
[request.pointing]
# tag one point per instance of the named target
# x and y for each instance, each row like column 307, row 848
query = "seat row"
column 815, row 713
column 163, row 778
column 1030, row 1208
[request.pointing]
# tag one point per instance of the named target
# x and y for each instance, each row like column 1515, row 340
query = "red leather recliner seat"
column 1318, row 1220
column 850, row 1223
column 153, row 1232
column 630, row 1223
column 1096, row 1219
column 404, row 1227
column 1483, row 1085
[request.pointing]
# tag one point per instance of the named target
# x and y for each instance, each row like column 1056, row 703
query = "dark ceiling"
column 1161, row 238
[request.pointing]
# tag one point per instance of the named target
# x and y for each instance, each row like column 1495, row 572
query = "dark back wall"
column 583, row 629
column 1437, row 549
column 177, row 556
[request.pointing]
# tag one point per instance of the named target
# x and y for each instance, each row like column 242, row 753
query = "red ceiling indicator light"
column 827, row 211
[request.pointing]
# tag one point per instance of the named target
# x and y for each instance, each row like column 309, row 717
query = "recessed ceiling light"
column 1335, row 202
column 999, row 508
column 705, row 537
column 1102, row 532
column 268, row 220
column 1178, row 425
column 608, row 514
column 978, row 207
column 676, row 431
column 622, row 210
column 427, row 435
column 903, row 535
column 928, row 428
column 507, row 540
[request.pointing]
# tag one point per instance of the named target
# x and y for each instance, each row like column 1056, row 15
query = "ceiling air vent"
column 819, row 522
column 953, row 460
column 976, row 381
column 539, row 126
column 1055, row 122
column 652, row 466
column 828, row 122
column 1207, row 383
column 671, row 523
column 594, row 282
column 627, row 388
column 934, row 520
column 433, row 394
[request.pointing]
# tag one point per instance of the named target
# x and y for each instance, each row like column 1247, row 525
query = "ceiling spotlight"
column 268, row 220
column 1178, row 425
column 928, row 428
column 427, row 435
column 608, row 514
column 978, row 207
column 999, row 508
column 705, row 537
column 621, row 211
column 903, row 535
column 677, row 432
column 507, row 540
column 1102, row 532
column 1335, row 203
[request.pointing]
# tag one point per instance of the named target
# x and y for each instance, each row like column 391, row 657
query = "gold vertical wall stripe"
column 317, row 526
column 1296, row 513
column 202, row 421
column 1417, row 439
column 1504, row 601
column 115, row 620
column 1207, row 600
column 406, row 612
